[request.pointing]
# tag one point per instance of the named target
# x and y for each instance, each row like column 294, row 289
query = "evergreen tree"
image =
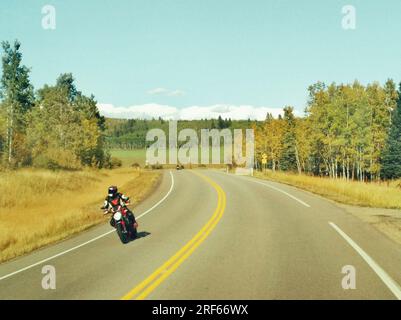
column 391, row 161
column 220, row 123
column 289, row 158
column 65, row 81
column 213, row 124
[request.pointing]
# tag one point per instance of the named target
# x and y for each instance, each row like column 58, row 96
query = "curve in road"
column 273, row 242
column 146, row 287
column 91, row 240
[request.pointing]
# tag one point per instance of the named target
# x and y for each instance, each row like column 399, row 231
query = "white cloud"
column 176, row 93
column 153, row 110
column 145, row 111
column 166, row 92
column 156, row 91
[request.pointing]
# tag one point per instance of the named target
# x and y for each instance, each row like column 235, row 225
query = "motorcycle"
column 126, row 229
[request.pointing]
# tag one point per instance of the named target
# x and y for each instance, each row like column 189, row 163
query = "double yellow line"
column 146, row 287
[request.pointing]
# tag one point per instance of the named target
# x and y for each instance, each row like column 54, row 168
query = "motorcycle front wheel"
column 134, row 233
column 121, row 234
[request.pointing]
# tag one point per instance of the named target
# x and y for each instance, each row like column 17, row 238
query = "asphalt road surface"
column 209, row 235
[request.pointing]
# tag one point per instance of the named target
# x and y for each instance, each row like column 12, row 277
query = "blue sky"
column 259, row 53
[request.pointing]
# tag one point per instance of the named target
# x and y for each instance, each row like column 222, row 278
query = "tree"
column 90, row 151
column 391, row 161
column 220, row 123
column 391, row 96
column 3, row 129
column 65, row 81
column 290, row 158
column 65, row 128
column 53, row 129
column 342, row 135
column 269, row 140
column 303, row 144
column 16, row 92
column 213, row 124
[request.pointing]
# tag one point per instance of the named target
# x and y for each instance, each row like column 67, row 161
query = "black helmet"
column 112, row 191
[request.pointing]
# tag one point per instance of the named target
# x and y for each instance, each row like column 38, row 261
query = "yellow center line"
column 146, row 287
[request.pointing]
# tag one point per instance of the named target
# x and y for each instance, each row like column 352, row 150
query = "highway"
column 205, row 234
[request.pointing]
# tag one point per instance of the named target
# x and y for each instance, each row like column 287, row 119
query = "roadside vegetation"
column 349, row 132
column 54, row 166
column 137, row 157
column 39, row 207
column 54, row 127
column 130, row 134
column 57, row 152
column 374, row 194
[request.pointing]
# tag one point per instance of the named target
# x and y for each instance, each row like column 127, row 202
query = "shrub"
column 115, row 163
column 42, row 161
column 56, row 159
column 156, row 166
column 136, row 165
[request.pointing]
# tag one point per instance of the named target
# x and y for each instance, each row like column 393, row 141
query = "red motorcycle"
column 126, row 229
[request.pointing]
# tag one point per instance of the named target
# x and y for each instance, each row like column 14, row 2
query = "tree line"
column 54, row 127
column 131, row 133
column 349, row 131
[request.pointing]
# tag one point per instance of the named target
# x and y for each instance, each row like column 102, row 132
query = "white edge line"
column 282, row 191
column 90, row 241
column 164, row 198
column 383, row 275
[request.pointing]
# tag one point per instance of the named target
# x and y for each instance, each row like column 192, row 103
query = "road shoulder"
column 386, row 221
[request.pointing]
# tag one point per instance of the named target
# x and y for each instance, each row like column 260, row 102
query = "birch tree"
column 17, row 97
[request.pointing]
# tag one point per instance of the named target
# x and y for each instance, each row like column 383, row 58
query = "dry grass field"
column 374, row 195
column 39, row 207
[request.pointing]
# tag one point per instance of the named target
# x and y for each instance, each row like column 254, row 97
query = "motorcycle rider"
column 115, row 199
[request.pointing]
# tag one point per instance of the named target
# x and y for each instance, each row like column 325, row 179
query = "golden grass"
column 40, row 207
column 375, row 195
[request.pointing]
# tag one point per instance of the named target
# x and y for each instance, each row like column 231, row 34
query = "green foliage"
column 349, row 131
column 59, row 129
column 17, row 97
column 63, row 119
column 391, row 167
column 56, row 159
column 115, row 163
column 343, row 134
column 66, row 82
column 223, row 123
column 131, row 134
column 3, row 127
column 289, row 159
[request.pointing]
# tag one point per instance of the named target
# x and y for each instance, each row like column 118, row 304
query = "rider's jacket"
column 112, row 203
